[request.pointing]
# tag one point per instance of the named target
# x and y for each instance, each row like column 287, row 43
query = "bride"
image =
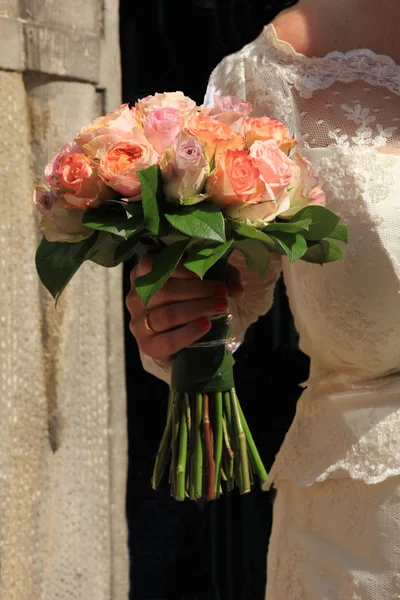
column 330, row 70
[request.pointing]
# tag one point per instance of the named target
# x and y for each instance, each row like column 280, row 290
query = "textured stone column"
column 62, row 405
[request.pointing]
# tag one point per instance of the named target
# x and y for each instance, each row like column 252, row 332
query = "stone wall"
column 62, row 379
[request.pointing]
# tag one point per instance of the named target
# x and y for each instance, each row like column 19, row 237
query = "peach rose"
column 161, row 127
column 119, row 165
column 76, row 180
column 51, row 170
column 264, row 129
column 235, row 181
column 306, row 187
column 95, row 138
column 230, row 110
column 58, row 223
column 184, row 168
column 275, row 167
column 178, row 100
column 215, row 136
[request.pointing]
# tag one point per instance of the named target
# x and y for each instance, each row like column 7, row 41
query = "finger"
column 180, row 290
column 236, row 289
column 181, row 272
column 165, row 345
column 145, row 264
column 175, row 315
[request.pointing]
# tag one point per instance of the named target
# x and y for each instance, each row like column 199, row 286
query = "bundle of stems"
column 209, row 441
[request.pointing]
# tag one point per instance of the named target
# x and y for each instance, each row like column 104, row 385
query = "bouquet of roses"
column 192, row 184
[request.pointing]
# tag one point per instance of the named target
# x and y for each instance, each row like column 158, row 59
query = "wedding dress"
column 336, row 530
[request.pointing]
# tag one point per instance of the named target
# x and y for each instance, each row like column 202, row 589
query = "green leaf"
column 256, row 254
column 341, row 233
column 153, row 200
column 57, row 262
column 104, row 249
column 125, row 250
column 292, row 244
column 287, row 227
column 188, row 201
column 200, row 259
column 205, row 222
column 244, row 231
column 111, row 217
column 323, row 252
column 164, row 264
column 324, row 221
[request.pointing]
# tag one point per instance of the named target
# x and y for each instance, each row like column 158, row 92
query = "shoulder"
column 291, row 26
column 311, row 30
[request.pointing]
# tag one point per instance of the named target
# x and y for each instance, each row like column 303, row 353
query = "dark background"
column 195, row 550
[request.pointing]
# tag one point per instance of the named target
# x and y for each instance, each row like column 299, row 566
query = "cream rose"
column 59, row 223
column 306, row 187
column 177, row 100
column 184, row 168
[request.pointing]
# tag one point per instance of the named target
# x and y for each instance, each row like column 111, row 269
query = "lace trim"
column 314, row 73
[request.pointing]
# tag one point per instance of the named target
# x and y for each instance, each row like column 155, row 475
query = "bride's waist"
column 343, row 428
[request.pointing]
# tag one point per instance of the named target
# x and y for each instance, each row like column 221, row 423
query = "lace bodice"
column 345, row 111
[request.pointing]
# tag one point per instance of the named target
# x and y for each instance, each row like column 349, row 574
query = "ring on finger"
column 147, row 324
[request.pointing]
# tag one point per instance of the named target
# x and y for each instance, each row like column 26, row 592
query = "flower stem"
column 175, row 434
column 236, row 465
column 181, row 466
column 218, row 442
column 208, row 448
column 230, row 458
column 244, row 485
column 256, row 459
column 198, row 448
column 163, row 450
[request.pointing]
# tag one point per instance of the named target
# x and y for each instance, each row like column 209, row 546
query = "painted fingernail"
column 221, row 304
column 221, row 289
column 204, row 324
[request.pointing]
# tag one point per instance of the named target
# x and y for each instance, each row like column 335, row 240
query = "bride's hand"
column 178, row 315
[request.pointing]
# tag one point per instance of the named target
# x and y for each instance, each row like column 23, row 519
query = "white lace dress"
column 336, row 531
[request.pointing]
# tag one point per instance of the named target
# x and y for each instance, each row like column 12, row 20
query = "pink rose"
column 230, row 110
column 306, row 187
column 178, row 100
column 59, row 223
column 184, row 168
column 275, row 167
column 119, row 165
column 236, row 181
column 96, row 137
column 161, row 127
column 264, row 129
column 215, row 136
